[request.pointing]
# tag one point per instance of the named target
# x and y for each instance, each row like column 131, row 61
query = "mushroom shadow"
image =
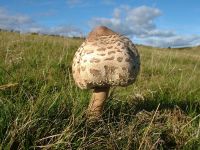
column 116, row 108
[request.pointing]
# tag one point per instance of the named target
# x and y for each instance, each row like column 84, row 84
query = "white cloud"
column 24, row 24
column 15, row 22
column 62, row 30
column 65, row 30
column 139, row 23
column 142, row 17
column 174, row 41
column 116, row 13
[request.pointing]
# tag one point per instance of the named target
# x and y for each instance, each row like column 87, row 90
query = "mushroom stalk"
column 97, row 101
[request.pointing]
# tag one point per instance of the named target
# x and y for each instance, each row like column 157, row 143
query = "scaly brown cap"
column 105, row 59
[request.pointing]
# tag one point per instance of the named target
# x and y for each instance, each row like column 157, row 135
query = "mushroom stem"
column 97, row 101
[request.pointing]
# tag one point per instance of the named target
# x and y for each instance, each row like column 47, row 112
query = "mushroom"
column 104, row 59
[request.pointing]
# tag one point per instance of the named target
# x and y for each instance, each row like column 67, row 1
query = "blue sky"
column 151, row 22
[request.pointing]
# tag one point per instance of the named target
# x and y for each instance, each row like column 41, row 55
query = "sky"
column 161, row 23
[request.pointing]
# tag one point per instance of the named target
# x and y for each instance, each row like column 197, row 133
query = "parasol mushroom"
column 104, row 59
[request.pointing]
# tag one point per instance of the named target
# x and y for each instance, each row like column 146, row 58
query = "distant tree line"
column 11, row 30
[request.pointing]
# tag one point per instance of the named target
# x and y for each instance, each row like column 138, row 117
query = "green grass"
column 41, row 107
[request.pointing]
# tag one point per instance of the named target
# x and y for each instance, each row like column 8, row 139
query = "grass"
column 42, row 108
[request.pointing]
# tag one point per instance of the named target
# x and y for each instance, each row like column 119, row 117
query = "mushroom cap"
column 105, row 59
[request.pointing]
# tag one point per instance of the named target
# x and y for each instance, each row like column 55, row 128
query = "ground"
column 41, row 107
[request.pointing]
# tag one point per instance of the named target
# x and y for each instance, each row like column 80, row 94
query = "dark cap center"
column 99, row 31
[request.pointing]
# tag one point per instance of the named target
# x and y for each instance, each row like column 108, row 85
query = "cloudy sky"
column 160, row 23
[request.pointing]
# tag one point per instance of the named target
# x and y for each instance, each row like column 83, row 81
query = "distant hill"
column 140, row 45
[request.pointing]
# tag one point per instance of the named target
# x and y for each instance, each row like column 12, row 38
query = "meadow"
column 42, row 108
